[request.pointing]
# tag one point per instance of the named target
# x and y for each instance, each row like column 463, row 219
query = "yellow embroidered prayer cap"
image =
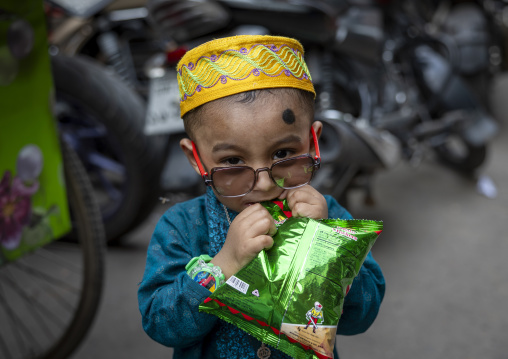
column 231, row 65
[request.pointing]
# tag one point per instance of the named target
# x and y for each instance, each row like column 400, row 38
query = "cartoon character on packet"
column 313, row 315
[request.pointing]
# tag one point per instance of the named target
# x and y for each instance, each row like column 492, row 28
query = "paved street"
column 442, row 252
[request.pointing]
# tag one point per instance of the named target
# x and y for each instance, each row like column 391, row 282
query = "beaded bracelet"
column 205, row 273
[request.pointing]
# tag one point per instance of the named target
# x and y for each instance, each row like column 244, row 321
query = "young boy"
column 247, row 105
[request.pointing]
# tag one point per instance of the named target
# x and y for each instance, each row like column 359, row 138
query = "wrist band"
column 205, row 273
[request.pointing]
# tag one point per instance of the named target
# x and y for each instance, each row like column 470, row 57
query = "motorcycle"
column 373, row 85
column 477, row 30
column 102, row 119
column 387, row 87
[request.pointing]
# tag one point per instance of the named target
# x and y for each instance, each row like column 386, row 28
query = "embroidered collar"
column 218, row 225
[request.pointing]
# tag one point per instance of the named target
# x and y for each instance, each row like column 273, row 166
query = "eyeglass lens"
column 237, row 181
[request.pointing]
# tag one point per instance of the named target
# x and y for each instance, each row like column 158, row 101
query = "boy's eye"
column 281, row 154
column 232, row 161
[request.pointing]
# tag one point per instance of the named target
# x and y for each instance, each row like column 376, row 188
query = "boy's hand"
column 306, row 201
column 249, row 234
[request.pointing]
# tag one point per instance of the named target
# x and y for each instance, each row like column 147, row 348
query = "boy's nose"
column 264, row 182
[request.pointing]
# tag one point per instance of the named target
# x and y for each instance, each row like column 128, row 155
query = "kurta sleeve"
column 168, row 298
column 362, row 303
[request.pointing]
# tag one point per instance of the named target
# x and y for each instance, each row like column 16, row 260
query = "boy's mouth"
column 250, row 202
column 266, row 200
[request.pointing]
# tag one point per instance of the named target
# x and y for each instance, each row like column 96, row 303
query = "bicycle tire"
column 49, row 298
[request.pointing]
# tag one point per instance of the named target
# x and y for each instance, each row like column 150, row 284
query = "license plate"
column 163, row 112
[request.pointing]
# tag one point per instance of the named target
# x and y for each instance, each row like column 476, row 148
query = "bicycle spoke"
column 3, row 345
column 36, row 310
column 17, row 324
column 4, row 350
column 58, row 259
column 49, row 278
column 52, row 288
column 38, row 295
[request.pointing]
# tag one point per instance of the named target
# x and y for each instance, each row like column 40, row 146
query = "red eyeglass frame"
column 208, row 181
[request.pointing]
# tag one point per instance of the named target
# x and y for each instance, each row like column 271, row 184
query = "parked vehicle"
column 386, row 86
column 476, row 29
column 103, row 120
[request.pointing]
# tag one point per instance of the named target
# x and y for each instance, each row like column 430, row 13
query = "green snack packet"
column 291, row 296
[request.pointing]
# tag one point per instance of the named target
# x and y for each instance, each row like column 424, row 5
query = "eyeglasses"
column 237, row 181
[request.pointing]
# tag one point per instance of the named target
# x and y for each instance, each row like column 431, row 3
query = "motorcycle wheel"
column 460, row 155
column 103, row 121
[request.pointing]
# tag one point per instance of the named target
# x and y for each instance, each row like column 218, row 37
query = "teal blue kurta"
column 169, row 299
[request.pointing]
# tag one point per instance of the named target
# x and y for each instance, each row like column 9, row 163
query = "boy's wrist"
column 194, row 261
column 227, row 265
column 205, row 273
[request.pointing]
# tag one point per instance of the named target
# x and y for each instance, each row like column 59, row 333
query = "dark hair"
column 192, row 119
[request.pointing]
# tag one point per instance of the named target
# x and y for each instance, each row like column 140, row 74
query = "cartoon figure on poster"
column 313, row 315
column 18, row 219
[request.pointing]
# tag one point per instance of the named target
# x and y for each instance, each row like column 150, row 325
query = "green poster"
column 33, row 201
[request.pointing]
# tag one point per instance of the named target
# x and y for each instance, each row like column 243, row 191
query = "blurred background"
column 412, row 97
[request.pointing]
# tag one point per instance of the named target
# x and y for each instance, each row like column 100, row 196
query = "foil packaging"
column 291, row 295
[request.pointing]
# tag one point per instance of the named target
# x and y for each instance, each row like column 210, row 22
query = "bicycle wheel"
column 48, row 298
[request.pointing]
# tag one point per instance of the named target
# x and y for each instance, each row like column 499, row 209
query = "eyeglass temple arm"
column 202, row 171
column 316, row 146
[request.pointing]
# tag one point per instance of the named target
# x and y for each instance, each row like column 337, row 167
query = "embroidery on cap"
column 238, row 65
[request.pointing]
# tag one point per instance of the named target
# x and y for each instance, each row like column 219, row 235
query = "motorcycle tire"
column 103, row 120
column 461, row 156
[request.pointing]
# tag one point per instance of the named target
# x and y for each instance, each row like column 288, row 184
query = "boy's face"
column 257, row 134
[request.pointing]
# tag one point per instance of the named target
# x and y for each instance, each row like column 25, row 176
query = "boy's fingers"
column 303, row 194
column 249, row 211
column 257, row 218
column 256, row 245
column 307, row 202
column 263, row 242
column 268, row 242
column 265, row 225
column 299, row 210
column 283, row 195
column 272, row 230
